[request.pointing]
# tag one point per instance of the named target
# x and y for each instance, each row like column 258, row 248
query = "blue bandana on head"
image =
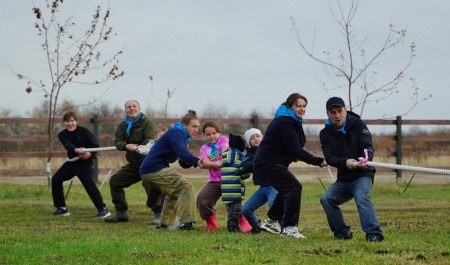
column 131, row 122
column 342, row 129
column 179, row 126
column 214, row 149
column 283, row 110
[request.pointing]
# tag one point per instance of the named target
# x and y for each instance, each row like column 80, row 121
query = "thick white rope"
column 142, row 149
column 409, row 168
column 98, row 149
column 364, row 161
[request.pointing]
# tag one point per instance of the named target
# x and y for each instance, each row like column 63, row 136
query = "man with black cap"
column 345, row 140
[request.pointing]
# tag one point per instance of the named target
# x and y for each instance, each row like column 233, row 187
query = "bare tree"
column 71, row 58
column 351, row 69
column 169, row 95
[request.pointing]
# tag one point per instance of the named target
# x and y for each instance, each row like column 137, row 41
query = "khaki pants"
column 180, row 199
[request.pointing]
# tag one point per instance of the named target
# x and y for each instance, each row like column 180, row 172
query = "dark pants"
column 289, row 195
column 124, row 178
column 207, row 199
column 234, row 211
column 83, row 170
column 155, row 198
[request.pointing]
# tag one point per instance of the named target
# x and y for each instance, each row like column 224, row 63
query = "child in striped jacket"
column 232, row 183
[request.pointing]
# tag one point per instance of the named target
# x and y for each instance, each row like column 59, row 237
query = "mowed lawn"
column 416, row 226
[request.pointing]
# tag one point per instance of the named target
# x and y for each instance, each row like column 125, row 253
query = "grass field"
column 416, row 225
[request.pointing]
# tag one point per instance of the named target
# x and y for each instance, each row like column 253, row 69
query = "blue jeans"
column 341, row 192
column 259, row 198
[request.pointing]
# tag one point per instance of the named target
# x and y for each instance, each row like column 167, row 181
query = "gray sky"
column 239, row 55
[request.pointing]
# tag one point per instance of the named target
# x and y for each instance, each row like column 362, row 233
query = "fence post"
column 94, row 120
column 399, row 147
column 255, row 121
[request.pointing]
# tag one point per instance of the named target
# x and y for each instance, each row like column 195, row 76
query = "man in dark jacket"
column 344, row 140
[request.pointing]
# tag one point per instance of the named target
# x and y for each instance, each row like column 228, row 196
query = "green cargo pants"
column 180, row 198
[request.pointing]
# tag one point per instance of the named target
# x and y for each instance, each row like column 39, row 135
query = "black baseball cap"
column 335, row 101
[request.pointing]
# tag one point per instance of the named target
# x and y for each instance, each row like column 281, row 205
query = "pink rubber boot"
column 211, row 223
column 245, row 226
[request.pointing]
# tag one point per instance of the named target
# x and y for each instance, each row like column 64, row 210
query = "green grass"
column 416, row 227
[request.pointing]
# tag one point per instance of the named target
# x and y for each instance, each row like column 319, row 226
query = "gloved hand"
column 317, row 161
column 184, row 164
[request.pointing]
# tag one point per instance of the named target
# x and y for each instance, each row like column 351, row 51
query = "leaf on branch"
column 28, row 90
column 37, row 12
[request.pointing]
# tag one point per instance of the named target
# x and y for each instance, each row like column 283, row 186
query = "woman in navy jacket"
column 283, row 144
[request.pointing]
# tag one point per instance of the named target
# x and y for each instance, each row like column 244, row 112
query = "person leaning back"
column 344, row 140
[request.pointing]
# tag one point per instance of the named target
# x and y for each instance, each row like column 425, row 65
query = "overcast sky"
column 240, row 55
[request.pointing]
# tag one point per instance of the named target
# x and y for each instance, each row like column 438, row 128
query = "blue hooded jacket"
column 168, row 148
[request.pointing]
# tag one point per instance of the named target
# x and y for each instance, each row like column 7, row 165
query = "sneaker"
column 255, row 230
column 186, row 226
column 103, row 213
column 344, row 236
column 271, row 226
column 374, row 237
column 157, row 220
column 118, row 217
column 61, row 211
column 174, row 226
column 292, row 231
column 162, row 227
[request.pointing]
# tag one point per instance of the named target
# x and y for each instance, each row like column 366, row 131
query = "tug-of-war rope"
column 363, row 161
column 142, row 149
column 408, row 168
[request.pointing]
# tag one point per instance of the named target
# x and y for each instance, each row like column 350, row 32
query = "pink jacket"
column 205, row 150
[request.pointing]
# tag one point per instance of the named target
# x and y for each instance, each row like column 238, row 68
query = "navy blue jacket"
column 283, row 144
column 168, row 148
column 337, row 147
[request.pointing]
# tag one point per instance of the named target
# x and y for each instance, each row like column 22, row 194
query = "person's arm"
column 120, row 141
column 179, row 146
column 204, row 156
column 148, row 129
column 91, row 142
column 332, row 159
column 247, row 164
column 292, row 143
column 364, row 141
column 207, row 163
column 64, row 140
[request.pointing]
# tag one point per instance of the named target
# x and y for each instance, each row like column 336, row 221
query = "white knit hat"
column 249, row 133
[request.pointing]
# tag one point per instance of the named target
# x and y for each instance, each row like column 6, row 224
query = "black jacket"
column 81, row 137
column 247, row 167
column 283, row 144
column 337, row 147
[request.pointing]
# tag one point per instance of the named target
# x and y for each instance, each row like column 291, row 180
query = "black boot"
column 118, row 217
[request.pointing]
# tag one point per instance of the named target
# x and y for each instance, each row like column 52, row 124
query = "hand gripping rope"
column 364, row 161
